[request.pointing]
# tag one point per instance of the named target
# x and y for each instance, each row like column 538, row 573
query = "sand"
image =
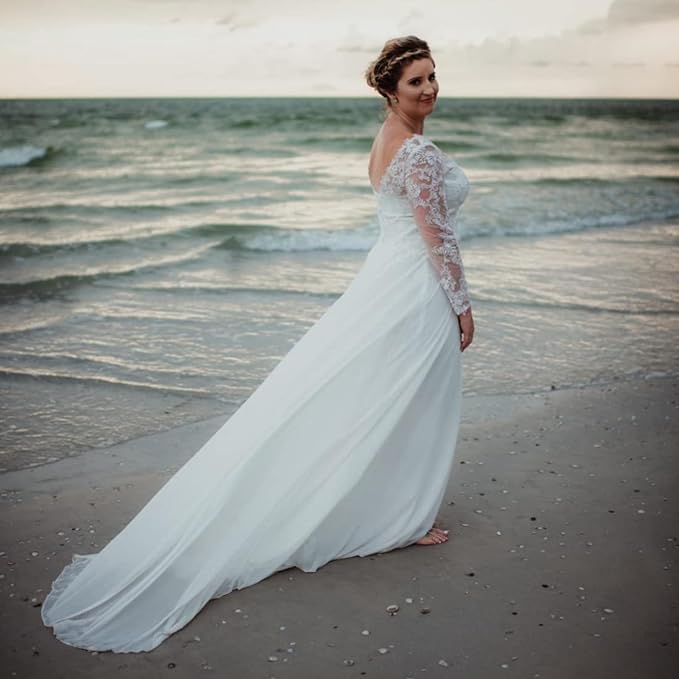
column 562, row 559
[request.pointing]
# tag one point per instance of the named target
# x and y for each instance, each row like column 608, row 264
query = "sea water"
column 158, row 257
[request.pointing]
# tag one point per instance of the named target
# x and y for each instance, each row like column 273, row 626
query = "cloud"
column 412, row 22
column 630, row 13
column 592, row 27
column 633, row 34
column 517, row 48
column 235, row 21
column 626, row 12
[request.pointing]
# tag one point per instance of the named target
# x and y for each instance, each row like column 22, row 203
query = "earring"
column 394, row 100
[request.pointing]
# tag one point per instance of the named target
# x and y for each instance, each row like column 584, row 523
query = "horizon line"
column 337, row 96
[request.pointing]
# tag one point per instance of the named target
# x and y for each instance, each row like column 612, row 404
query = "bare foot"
column 434, row 536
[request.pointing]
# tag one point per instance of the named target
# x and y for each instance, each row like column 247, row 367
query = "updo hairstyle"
column 384, row 73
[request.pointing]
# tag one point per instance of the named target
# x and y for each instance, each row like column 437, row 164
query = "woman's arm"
column 425, row 190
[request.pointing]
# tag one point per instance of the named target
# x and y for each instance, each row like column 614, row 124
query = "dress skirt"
column 345, row 449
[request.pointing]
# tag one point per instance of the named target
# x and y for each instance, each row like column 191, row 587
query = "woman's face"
column 417, row 88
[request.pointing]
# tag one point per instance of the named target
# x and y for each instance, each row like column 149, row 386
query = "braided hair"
column 384, row 73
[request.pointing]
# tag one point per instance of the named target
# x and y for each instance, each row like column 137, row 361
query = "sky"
column 221, row 48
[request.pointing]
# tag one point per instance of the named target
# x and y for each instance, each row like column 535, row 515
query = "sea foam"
column 18, row 156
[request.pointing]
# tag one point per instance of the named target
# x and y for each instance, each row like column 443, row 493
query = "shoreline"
column 588, row 322
column 187, row 424
column 562, row 558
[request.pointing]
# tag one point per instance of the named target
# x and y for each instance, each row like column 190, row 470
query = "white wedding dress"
column 345, row 449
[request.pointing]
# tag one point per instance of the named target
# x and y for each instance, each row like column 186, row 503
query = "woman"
column 345, row 449
column 404, row 74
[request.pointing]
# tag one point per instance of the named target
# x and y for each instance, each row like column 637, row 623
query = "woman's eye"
column 418, row 80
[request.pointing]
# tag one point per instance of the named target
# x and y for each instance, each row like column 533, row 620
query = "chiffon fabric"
column 345, row 449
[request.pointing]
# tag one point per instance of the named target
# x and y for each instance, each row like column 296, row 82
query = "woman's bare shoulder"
column 388, row 141
column 385, row 146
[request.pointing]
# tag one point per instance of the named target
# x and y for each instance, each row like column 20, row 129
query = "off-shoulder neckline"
column 400, row 148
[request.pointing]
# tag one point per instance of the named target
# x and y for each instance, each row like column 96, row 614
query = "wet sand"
column 563, row 513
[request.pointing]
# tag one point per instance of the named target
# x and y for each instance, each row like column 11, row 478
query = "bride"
column 345, row 449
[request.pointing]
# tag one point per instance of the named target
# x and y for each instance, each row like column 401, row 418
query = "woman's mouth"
column 428, row 100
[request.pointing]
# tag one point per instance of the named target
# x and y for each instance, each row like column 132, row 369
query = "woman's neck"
column 414, row 125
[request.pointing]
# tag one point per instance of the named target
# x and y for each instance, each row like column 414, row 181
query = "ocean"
column 158, row 257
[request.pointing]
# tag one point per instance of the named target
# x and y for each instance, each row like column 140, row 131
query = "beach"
column 561, row 560
column 159, row 257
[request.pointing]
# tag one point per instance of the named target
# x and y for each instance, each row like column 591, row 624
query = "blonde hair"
column 384, row 72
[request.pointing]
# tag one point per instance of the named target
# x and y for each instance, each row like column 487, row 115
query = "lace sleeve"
column 424, row 183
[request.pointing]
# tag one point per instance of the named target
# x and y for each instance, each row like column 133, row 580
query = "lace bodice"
column 425, row 185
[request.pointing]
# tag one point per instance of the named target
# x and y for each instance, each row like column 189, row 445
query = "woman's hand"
column 466, row 322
